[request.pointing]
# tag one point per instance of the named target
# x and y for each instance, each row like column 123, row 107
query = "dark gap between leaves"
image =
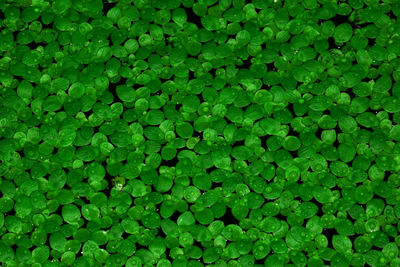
column 350, row 163
column 271, row 66
column 326, row 112
column 386, row 177
column 381, row 198
column 15, row 33
column 112, row 88
column 18, row 78
column 371, row 42
column 174, row 216
column 193, row 18
column 336, row 187
column 167, row 254
column 214, row 185
column 157, row 206
column 366, row 80
column 59, row 208
column 351, row 93
column 125, row 235
column 391, row 15
column 320, row 213
column 318, row 133
column 260, row 261
column 246, row 63
column 352, row 237
column 170, row 163
column 198, row 244
column 197, row 134
column 263, row 141
column 280, row 217
column 84, row 200
column 200, row 96
column 89, row 20
column 332, row 44
column 32, row 45
column 109, row 179
column 228, row 217
column 390, row 114
column 88, row 113
column 213, row 72
column 178, row 106
column 21, row 153
column 376, row 248
column 210, row 170
column 391, row 239
column 273, row 163
column 66, row 186
column 191, row 75
column 10, row 212
column 138, row 246
column 239, row 143
column 264, row 45
column 339, row 19
column 47, row 26
column 326, row 263
column 329, row 233
column 363, row 127
column 360, row 24
column 161, row 233
column 96, row 129
column 293, row 154
column 107, row 5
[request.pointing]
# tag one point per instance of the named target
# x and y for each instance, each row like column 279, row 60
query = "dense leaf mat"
column 199, row 133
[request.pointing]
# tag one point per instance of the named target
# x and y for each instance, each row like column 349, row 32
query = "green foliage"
column 199, row 133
